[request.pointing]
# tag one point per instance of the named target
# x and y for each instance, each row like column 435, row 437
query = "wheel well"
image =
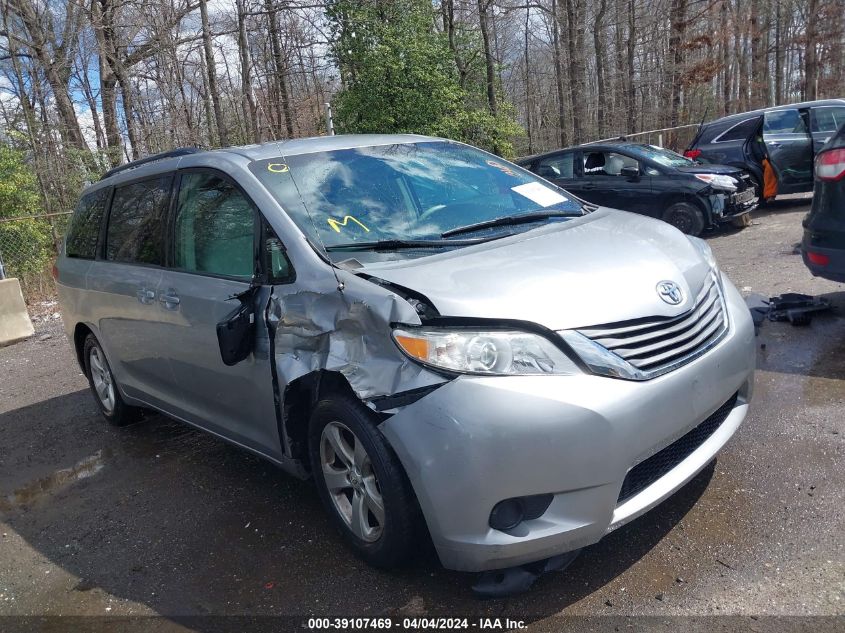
column 80, row 333
column 300, row 398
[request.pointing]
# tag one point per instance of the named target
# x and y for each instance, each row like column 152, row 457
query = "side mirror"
column 236, row 332
column 630, row 172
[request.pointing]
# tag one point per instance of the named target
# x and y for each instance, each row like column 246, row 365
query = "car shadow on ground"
column 169, row 517
column 782, row 205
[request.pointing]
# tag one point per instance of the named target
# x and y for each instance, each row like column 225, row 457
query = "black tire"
column 120, row 413
column 685, row 217
column 398, row 536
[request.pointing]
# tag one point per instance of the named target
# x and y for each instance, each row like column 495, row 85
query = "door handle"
column 145, row 295
column 169, row 299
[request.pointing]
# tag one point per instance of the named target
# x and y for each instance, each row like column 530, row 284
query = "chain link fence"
column 28, row 248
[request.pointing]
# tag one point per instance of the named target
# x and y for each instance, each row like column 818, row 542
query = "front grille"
column 647, row 472
column 655, row 345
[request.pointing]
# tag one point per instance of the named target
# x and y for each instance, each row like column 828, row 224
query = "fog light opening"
column 506, row 515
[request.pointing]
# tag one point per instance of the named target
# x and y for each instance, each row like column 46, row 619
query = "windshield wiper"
column 509, row 220
column 392, row 245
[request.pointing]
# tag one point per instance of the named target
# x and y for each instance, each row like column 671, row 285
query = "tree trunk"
column 759, row 79
column 726, row 58
column 211, row 69
column 619, row 61
column 601, row 89
column 127, row 99
column 246, row 78
column 632, row 42
column 561, row 93
column 528, row 97
column 575, row 41
column 779, row 53
column 490, row 66
column 811, row 69
column 280, row 67
column 677, row 38
column 101, row 20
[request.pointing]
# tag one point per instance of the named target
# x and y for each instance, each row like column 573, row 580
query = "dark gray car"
column 789, row 135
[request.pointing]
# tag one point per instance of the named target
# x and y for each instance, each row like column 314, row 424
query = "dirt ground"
column 157, row 518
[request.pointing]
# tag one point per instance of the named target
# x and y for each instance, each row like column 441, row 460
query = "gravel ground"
column 157, row 518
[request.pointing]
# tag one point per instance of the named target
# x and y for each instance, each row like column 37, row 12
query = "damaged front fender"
column 315, row 327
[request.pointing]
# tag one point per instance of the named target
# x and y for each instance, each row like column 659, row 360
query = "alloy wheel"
column 102, row 378
column 351, row 481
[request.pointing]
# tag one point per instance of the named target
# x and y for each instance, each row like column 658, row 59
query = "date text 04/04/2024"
column 414, row 624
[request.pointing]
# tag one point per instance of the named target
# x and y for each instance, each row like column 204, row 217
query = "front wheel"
column 361, row 482
column 685, row 217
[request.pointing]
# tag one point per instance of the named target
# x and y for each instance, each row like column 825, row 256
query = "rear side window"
column 739, row 132
column 84, row 228
column 215, row 227
column 135, row 232
column 828, row 118
column 607, row 163
column 784, row 122
column 560, row 166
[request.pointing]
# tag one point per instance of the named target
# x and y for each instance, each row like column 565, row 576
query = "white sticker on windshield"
column 539, row 193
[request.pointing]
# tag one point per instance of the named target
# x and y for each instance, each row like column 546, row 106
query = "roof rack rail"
column 174, row 153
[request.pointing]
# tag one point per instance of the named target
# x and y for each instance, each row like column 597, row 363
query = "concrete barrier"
column 14, row 319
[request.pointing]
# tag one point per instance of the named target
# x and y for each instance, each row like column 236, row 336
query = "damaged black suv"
column 652, row 181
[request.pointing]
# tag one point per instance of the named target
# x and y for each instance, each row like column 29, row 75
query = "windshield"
column 665, row 157
column 406, row 191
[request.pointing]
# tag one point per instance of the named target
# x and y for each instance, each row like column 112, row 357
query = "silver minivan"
column 441, row 339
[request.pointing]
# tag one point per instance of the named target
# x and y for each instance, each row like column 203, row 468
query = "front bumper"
column 478, row 440
column 728, row 207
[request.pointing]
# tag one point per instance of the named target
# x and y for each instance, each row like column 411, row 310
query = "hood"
column 600, row 268
column 706, row 168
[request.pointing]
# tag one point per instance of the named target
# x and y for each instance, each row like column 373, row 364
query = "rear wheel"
column 686, row 217
column 103, row 386
column 361, row 482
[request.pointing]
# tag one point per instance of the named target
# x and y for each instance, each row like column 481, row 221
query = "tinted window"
column 85, row 226
column 607, row 163
column 136, row 222
column 740, row 131
column 784, row 122
column 560, row 166
column 828, row 118
column 215, row 227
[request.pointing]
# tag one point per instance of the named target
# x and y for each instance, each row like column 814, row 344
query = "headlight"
column 718, row 181
column 488, row 352
column 600, row 360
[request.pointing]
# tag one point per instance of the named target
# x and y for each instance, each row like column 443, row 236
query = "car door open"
column 789, row 148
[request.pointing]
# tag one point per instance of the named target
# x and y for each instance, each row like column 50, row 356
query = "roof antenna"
column 704, row 116
column 340, row 284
